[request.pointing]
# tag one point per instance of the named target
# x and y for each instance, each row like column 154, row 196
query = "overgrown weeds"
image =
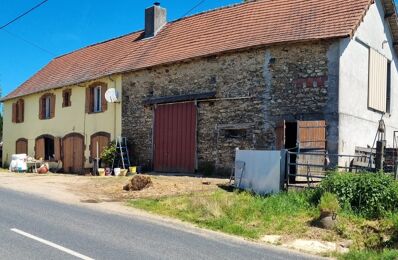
column 370, row 195
column 239, row 213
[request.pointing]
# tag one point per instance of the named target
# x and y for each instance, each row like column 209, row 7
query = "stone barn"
column 261, row 75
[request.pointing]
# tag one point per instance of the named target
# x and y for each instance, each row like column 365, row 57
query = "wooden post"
column 395, row 169
column 287, row 177
column 97, row 159
column 379, row 160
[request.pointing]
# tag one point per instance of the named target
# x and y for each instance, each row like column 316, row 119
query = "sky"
column 61, row 26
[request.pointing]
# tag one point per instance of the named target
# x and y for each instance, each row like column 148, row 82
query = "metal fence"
column 307, row 169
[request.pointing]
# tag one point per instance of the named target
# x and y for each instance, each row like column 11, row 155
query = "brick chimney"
column 155, row 19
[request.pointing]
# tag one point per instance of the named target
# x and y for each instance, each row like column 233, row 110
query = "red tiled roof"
column 257, row 23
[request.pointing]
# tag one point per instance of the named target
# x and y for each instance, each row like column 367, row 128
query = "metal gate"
column 175, row 138
column 303, row 173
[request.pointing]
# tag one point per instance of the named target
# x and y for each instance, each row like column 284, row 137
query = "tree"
column 1, row 126
column 1, row 116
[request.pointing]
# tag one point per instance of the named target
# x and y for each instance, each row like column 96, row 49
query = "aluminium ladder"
column 122, row 157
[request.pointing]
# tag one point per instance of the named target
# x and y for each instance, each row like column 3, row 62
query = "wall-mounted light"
column 384, row 42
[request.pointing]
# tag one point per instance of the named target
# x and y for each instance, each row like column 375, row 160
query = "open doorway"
column 291, row 135
column 302, row 139
column 48, row 148
column 44, row 148
column 291, row 145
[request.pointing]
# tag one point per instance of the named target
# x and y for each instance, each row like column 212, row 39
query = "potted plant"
column 329, row 207
column 107, row 156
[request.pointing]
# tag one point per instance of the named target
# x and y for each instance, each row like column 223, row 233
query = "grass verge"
column 371, row 255
column 287, row 214
column 238, row 213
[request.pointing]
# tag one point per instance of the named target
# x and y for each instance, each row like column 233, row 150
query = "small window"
column 47, row 106
column 66, row 94
column 236, row 133
column 97, row 99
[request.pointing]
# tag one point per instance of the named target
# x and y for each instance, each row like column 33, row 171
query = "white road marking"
column 46, row 242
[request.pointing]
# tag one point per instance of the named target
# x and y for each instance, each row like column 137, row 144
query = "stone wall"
column 254, row 89
column 297, row 81
column 302, row 84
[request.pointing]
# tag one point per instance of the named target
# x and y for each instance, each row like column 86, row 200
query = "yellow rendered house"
column 61, row 125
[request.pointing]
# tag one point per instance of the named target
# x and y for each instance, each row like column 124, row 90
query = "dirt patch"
column 111, row 188
column 88, row 189
column 138, row 182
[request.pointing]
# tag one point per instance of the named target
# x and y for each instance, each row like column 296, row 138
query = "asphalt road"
column 36, row 228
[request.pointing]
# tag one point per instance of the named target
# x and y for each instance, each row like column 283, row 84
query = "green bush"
column 108, row 154
column 329, row 203
column 369, row 194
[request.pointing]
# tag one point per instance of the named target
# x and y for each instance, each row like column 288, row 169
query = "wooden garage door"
column 102, row 139
column 73, row 153
column 175, row 138
column 21, row 146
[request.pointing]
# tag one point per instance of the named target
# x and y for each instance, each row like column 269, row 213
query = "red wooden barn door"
column 175, row 138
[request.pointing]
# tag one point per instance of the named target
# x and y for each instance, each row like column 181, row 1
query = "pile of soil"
column 138, row 182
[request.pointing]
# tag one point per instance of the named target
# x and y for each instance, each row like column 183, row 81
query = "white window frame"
column 97, row 100
column 47, row 112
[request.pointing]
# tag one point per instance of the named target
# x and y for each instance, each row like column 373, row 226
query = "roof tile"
column 262, row 22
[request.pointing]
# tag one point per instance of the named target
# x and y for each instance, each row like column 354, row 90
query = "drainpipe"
column 114, row 108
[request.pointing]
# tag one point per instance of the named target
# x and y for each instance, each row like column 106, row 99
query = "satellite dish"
column 111, row 95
